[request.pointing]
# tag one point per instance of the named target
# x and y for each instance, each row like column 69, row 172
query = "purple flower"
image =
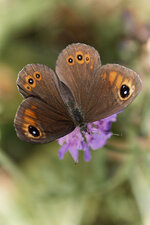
column 96, row 137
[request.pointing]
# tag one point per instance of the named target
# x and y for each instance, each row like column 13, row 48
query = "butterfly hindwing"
column 36, row 121
column 114, row 87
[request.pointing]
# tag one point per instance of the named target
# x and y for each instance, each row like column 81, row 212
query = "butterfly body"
column 80, row 91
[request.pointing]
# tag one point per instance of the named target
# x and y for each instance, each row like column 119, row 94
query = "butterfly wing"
column 43, row 106
column 114, row 87
column 75, row 67
column 97, row 90
column 36, row 121
column 40, row 81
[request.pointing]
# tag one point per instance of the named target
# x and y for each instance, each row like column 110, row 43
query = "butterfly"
column 80, row 91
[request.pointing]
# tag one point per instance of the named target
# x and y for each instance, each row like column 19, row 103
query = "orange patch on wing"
column 33, row 107
column 128, row 82
column 119, row 81
column 25, row 126
column 112, row 76
column 29, row 121
column 30, row 113
column 104, row 75
column 91, row 67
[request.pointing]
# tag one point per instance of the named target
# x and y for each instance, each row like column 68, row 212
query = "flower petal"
column 62, row 151
column 74, row 152
column 96, row 137
column 87, row 153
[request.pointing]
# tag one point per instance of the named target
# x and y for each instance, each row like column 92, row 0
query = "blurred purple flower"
column 96, row 137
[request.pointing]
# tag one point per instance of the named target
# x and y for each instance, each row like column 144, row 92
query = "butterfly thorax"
column 78, row 118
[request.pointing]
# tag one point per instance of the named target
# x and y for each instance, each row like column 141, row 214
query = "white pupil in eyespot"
column 124, row 91
column 37, row 75
column 34, row 131
column 70, row 60
column 30, row 81
column 79, row 57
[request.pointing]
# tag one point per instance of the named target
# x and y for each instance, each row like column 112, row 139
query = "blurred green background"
column 36, row 188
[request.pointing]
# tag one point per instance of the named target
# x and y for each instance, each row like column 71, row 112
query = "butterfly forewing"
column 75, row 67
column 40, row 81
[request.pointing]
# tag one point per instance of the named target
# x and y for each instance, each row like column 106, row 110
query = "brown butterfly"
column 80, row 91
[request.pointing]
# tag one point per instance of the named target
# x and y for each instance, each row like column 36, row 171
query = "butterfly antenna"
column 84, row 138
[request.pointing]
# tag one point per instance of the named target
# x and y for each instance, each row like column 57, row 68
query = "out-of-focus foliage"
column 35, row 186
